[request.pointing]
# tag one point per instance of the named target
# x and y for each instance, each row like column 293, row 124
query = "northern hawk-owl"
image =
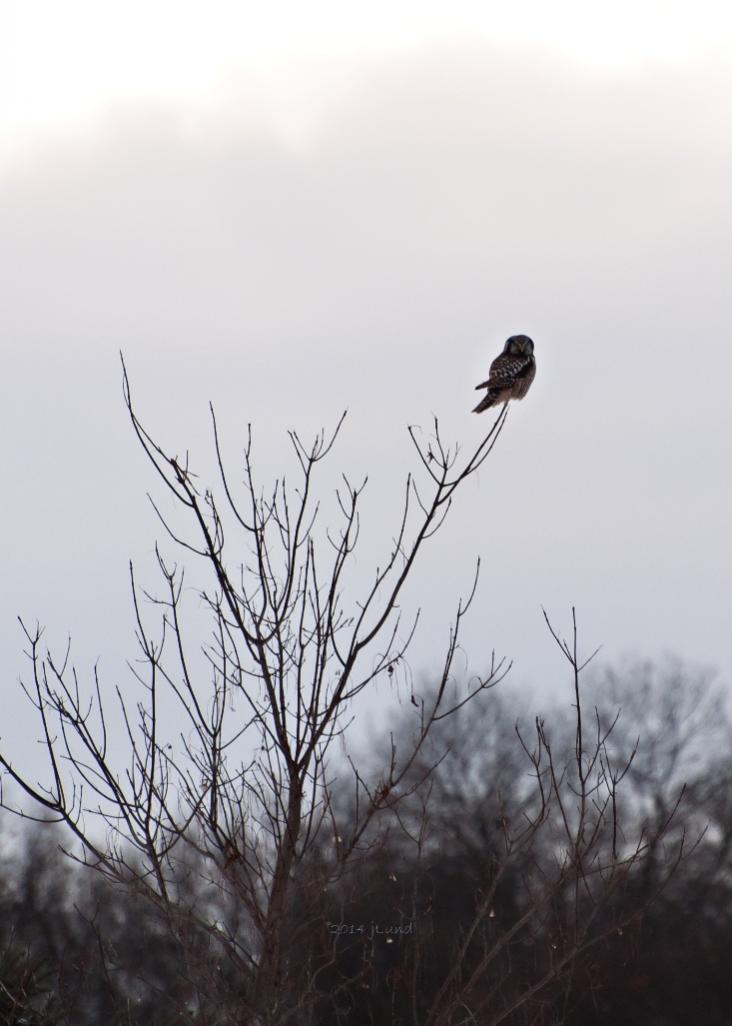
column 511, row 373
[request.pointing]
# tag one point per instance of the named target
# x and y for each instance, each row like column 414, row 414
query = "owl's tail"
column 488, row 400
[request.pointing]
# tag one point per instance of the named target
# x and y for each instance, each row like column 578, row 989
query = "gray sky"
column 363, row 228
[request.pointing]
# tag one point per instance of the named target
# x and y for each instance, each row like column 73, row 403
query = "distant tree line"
column 377, row 946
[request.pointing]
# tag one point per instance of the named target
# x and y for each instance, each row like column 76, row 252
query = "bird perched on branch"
column 511, row 373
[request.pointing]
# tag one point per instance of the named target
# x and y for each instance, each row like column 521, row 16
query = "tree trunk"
column 269, row 985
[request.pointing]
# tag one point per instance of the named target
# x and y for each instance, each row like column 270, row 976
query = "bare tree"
column 512, row 860
column 243, row 796
column 247, row 787
column 675, row 959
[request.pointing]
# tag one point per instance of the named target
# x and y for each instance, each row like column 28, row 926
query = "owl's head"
column 519, row 345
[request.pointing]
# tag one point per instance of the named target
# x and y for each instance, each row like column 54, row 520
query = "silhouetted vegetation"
column 224, row 859
column 76, row 948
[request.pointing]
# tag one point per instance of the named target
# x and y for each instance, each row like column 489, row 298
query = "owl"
column 511, row 373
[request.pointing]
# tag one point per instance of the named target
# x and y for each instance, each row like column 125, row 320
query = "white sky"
column 473, row 170
column 62, row 62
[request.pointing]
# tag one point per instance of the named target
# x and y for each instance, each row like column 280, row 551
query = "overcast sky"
column 290, row 209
